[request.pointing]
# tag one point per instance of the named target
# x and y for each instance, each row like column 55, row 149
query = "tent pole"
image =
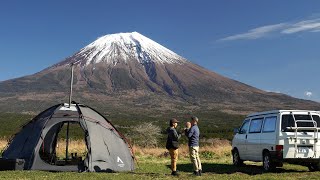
column 67, row 142
column 71, row 82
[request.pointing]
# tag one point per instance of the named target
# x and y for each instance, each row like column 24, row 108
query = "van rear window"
column 288, row 121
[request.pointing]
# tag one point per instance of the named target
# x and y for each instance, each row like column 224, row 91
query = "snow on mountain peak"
column 113, row 48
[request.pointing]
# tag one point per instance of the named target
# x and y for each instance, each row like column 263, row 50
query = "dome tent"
column 34, row 147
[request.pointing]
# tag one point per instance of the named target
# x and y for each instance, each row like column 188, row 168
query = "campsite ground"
column 158, row 168
column 153, row 163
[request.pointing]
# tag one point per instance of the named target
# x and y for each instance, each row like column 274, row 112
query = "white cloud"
column 308, row 94
column 257, row 32
column 308, row 25
column 272, row 91
column 311, row 25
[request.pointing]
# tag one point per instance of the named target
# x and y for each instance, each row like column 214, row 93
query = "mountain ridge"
column 126, row 68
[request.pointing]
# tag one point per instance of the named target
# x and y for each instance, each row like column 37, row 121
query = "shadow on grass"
column 230, row 169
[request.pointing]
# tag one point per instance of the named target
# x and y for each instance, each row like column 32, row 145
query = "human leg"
column 174, row 158
column 193, row 157
column 198, row 158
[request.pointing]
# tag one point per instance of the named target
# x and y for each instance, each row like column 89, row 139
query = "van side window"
column 269, row 124
column 255, row 125
column 244, row 127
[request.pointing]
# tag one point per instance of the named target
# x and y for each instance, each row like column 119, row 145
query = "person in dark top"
column 193, row 143
column 173, row 144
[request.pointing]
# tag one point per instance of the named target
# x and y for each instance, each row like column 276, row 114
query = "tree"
column 146, row 135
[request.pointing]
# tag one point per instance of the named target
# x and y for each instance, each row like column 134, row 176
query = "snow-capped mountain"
column 133, row 62
column 127, row 68
column 113, row 48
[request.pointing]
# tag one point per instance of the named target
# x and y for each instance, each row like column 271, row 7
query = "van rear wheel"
column 236, row 158
column 268, row 165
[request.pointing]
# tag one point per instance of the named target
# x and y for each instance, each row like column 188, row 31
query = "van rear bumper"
column 302, row 161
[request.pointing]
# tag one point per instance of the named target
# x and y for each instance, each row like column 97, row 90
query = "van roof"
column 279, row 111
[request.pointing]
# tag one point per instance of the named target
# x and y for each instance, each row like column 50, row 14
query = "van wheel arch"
column 265, row 151
column 236, row 160
column 268, row 164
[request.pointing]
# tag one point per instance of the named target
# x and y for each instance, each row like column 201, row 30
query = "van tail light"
column 279, row 150
column 279, row 147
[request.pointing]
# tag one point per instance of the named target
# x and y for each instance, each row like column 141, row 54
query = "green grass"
column 158, row 168
column 213, row 124
column 10, row 123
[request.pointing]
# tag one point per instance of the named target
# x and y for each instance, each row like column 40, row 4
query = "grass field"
column 214, row 124
column 154, row 163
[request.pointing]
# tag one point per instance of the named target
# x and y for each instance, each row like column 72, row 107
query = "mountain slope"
column 130, row 69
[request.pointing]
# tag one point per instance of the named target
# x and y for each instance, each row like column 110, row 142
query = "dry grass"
column 75, row 146
column 215, row 148
column 3, row 144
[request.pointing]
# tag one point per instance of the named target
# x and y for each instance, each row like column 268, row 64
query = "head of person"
column 173, row 122
column 194, row 120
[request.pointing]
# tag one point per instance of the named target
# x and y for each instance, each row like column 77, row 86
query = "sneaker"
column 174, row 173
column 196, row 173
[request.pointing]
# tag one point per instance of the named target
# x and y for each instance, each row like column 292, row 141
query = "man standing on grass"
column 173, row 144
column 193, row 137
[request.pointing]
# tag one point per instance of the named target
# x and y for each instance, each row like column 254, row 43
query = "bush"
column 145, row 135
column 207, row 154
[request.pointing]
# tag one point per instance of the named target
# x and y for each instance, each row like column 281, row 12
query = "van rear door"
column 300, row 134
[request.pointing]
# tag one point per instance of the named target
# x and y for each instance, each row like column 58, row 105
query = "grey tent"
column 33, row 148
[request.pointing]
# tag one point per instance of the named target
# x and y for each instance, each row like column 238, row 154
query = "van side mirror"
column 235, row 130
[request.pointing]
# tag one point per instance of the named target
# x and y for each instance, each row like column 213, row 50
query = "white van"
column 278, row 136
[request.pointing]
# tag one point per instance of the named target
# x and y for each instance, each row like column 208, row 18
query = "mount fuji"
column 130, row 71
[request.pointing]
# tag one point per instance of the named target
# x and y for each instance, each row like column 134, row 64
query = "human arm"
column 175, row 134
column 190, row 132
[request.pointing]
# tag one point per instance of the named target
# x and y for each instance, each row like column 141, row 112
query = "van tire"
column 236, row 158
column 314, row 167
column 268, row 165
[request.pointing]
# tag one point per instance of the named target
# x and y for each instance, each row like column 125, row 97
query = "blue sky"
column 272, row 45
